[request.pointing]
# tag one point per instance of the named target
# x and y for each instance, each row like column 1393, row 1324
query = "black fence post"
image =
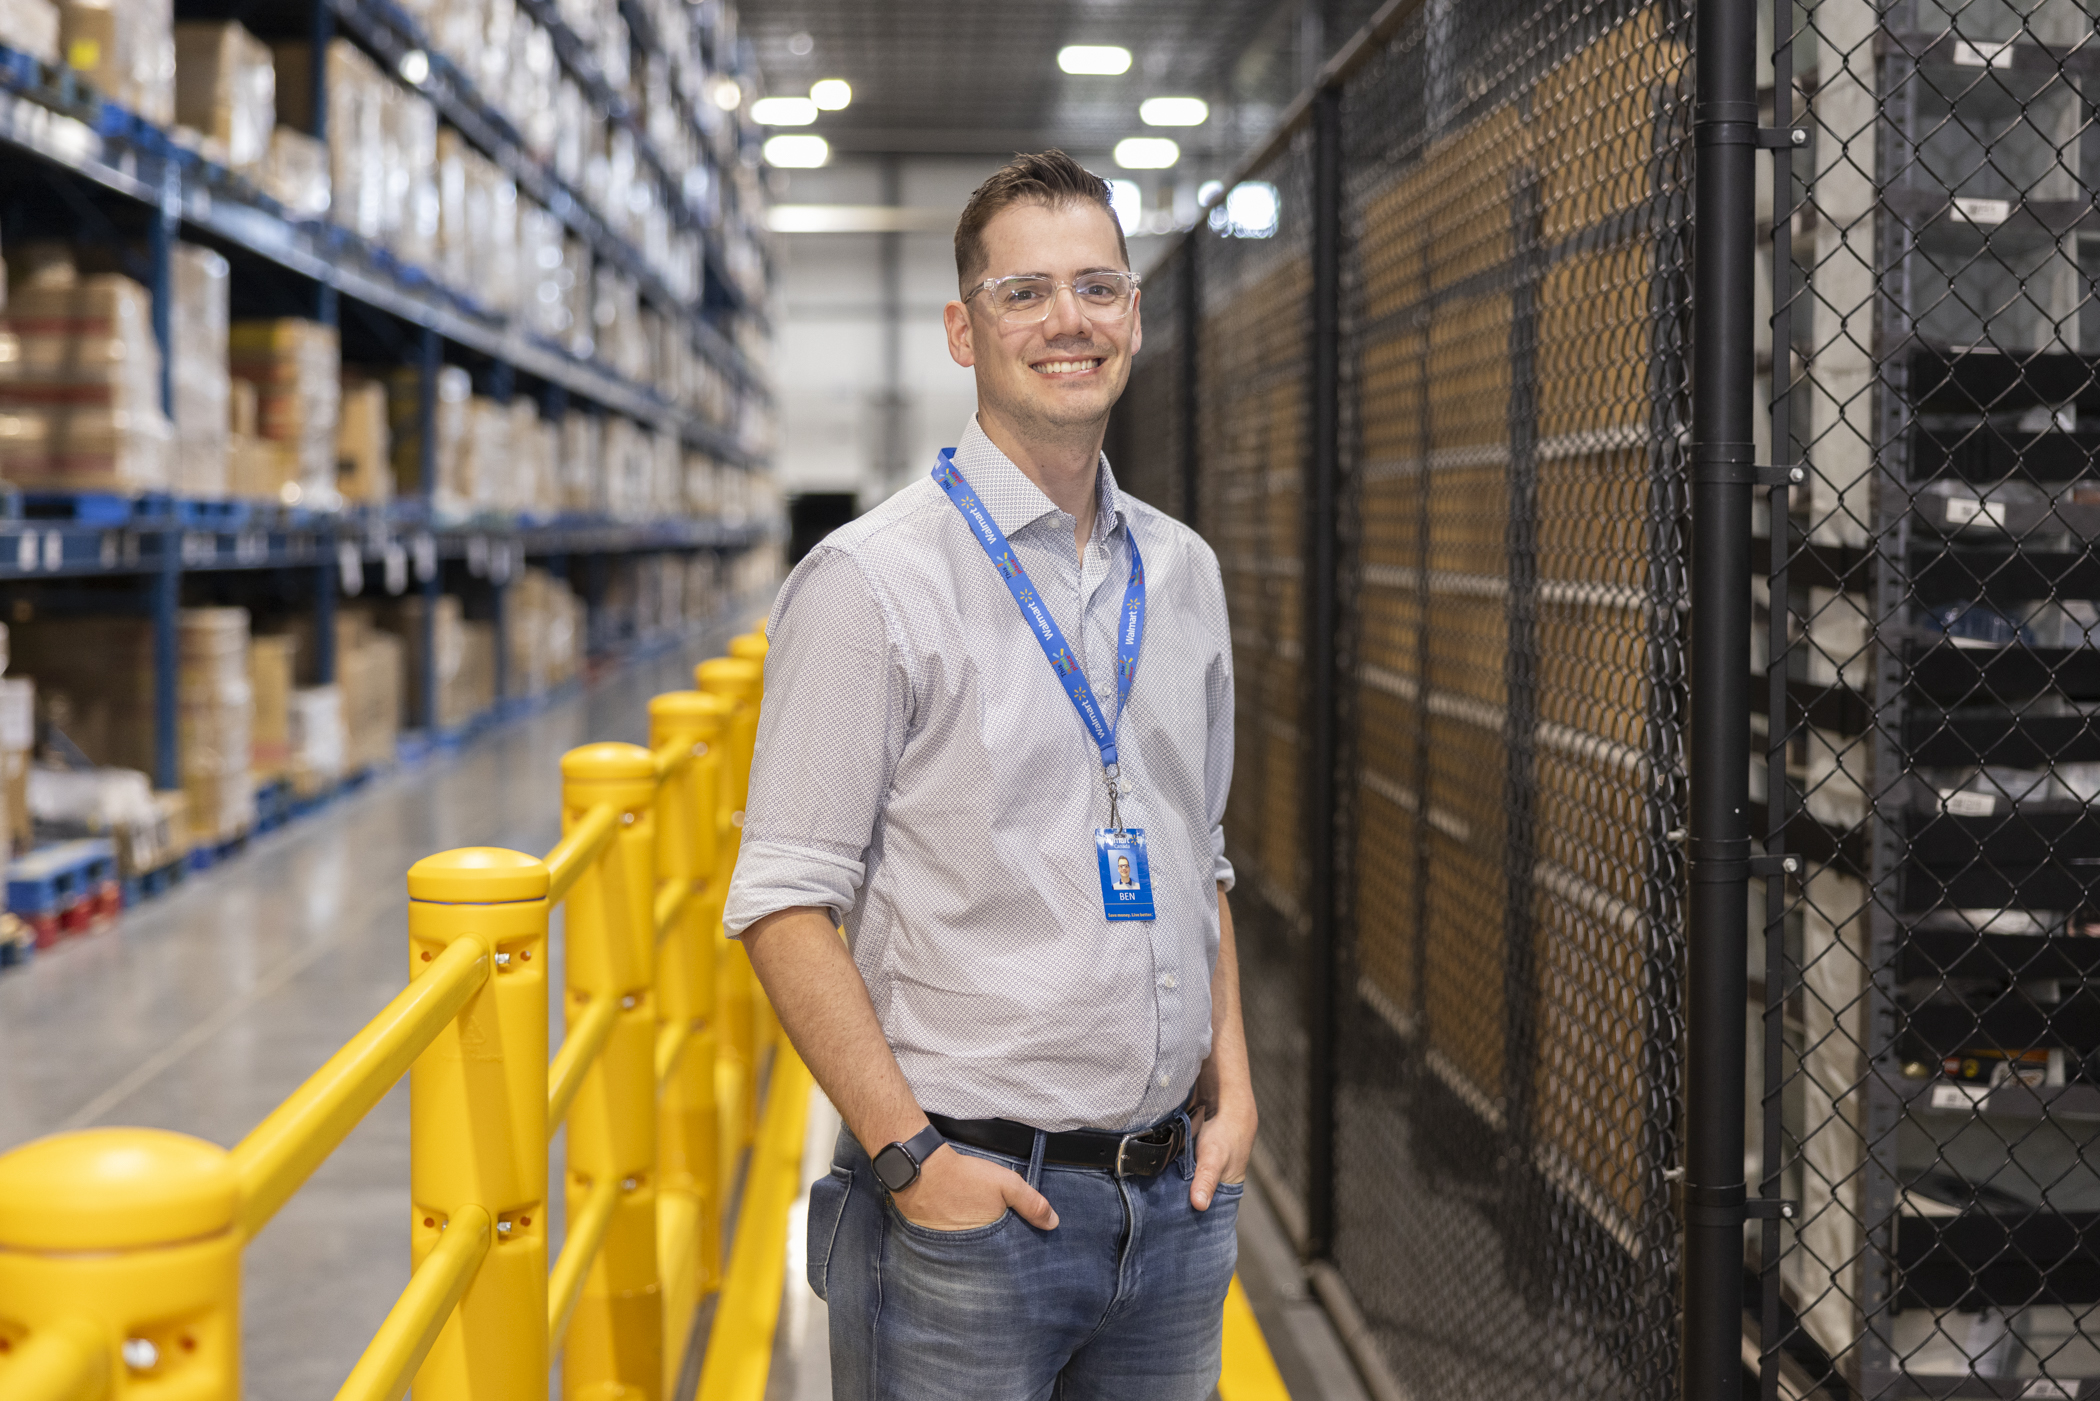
column 1723, row 371
column 1321, row 562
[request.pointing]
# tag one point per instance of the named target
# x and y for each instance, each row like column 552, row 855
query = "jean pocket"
column 827, row 1206
column 967, row 1236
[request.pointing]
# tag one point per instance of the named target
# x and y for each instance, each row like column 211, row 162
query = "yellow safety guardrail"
column 120, row 1249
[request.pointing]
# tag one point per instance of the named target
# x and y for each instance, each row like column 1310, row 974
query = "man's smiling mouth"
column 1068, row 367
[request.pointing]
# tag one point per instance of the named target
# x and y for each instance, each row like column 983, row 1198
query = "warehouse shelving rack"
column 106, row 166
column 1931, row 1085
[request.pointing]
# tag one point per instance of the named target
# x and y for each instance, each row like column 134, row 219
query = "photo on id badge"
column 1126, row 876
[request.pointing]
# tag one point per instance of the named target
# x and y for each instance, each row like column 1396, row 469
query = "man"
column 1124, row 880
column 979, row 696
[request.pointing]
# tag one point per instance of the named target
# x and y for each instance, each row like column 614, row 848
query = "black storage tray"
column 2039, row 856
column 2007, row 1021
column 1977, row 1259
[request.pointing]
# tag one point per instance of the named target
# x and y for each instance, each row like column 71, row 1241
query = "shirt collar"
column 1013, row 500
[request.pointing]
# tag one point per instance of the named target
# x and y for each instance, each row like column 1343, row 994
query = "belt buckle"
column 1122, row 1147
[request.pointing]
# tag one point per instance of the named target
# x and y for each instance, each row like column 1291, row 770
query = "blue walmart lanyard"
column 1130, row 635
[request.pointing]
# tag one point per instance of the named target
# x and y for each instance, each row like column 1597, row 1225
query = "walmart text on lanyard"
column 1130, row 635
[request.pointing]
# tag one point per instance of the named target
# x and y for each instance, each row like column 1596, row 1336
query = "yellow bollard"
column 119, row 1261
column 689, row 1205
column 478, row 1119
column 615, row 1341
column 740, row 681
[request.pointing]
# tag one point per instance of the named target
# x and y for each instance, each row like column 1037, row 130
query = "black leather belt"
column 1140, row 1154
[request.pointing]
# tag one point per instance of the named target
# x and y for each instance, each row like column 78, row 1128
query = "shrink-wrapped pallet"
column 126, row 48
column 226, row 88
column 202, row 384
column 96, row 680
column 295, row 174
column 30, row 27
column 582, row 454
column 318, row 739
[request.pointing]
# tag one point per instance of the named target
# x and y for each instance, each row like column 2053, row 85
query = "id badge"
column 1126, row 876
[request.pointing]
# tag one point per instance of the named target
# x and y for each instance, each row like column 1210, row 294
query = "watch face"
column 895, row 1168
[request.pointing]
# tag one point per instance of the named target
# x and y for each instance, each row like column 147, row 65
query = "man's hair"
column 1051, row 178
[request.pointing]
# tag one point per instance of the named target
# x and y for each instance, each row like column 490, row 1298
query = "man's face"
column 1063, row 371
column 1123, row 865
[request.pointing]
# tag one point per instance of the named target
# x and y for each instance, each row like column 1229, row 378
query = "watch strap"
column 921, row 1144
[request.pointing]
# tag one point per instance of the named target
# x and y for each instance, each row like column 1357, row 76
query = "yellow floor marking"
column 740, row 1344
column 1250, row 1372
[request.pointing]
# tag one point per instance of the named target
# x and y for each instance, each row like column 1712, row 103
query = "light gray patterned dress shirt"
column 921, row 773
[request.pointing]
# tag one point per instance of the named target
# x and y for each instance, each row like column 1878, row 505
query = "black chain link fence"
column 1512, row 214
column 1488, row 1164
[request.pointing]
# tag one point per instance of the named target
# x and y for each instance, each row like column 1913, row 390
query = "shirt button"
column 1166, row 980
column 1163, row 1082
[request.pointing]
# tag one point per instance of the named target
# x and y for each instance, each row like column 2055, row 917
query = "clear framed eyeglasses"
column 1026, row 298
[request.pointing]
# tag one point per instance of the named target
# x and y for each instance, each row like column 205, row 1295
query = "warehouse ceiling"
column 971, row 76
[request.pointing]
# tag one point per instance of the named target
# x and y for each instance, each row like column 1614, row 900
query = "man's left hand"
column 1223, row 1142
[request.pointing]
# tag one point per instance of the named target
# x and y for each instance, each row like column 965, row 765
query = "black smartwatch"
column 897, row 1166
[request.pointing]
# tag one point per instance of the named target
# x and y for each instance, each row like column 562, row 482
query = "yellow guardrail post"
column 739, row 681
column 120, row 1267
column 615, row 1336
column 478, row 1128
column 688, row 1209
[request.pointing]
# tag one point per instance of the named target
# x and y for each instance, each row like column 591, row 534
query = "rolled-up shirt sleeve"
column 1217, row 759
column 837, row 706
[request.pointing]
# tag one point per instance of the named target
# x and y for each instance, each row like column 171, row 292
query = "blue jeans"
column 1125, row 1299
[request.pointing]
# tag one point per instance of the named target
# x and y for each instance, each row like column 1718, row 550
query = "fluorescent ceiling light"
column 856, row 218
column 797, row 152
column 1174, row 111
column 729, row 94
column 1146, row 153
column 1104, row 59
column 1128, row 202
column 783, row 111
column 831, row 94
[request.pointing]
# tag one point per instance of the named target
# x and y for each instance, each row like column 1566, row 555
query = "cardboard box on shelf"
column 368, row 669
column 296, row 368
column 202, row 384
column 363, row 450
column 30, row 27
column 80, row 385
column 404, row 415
column 226, row 87
column 270, row 744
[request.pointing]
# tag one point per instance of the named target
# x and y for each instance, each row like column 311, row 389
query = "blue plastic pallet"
column 154, row 883
column 54, row 877
column 273, row 805
column 150, row 508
